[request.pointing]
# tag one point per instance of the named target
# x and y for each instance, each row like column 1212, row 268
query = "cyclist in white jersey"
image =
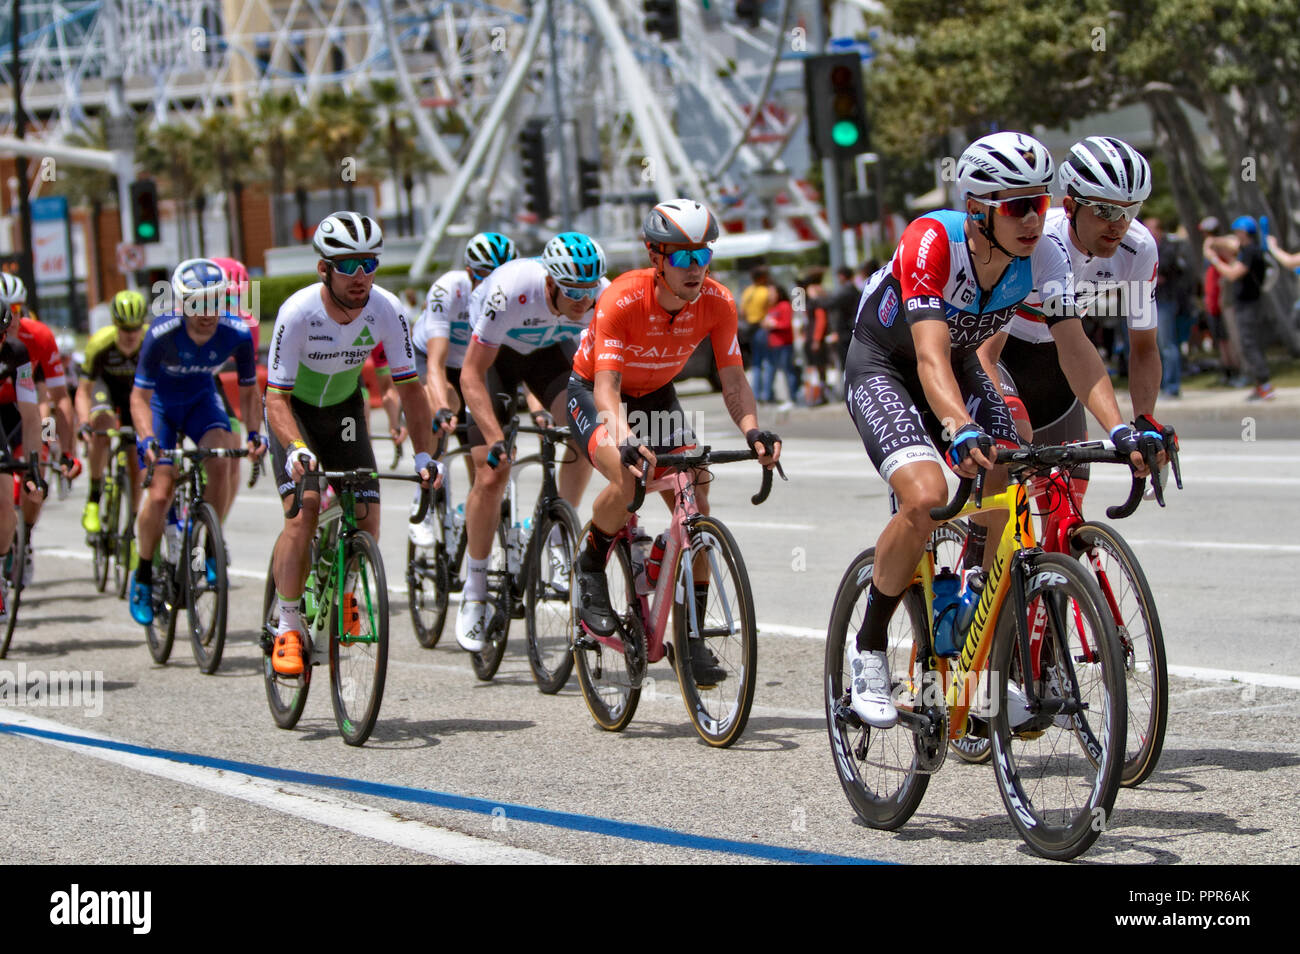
column 315, row 413
column 1113, row 262
column 441, row 336
column 526, row 318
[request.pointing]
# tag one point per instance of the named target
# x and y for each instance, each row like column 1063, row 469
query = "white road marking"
column 1231, row 675
column 300, row 802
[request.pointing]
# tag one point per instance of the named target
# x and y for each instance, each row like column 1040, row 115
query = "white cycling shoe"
column 472, row 625
column 869, row 691
column 421, row 533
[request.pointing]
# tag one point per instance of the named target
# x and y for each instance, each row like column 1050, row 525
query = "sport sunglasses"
column 1021, row 205
column 578, row 294
column 686, row 257
column 349, row 266
column 1110, row 212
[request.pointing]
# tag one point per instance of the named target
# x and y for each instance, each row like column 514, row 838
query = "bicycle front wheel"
column 548, row 612
column 13, row 583
column 428, row 580
column 487, row 661
column 102, row 544
column 161, row 633
column 1124, row 588
column 879, row 769
column 719, row 613
column 610, row 687
column 124, row 532
column 1059, row 767
column 359, row 640
column 286, row 695
column 206, row 589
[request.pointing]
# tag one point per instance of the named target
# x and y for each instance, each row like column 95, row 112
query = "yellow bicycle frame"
column 1017, row 534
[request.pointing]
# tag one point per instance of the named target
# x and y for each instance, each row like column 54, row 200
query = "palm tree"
column 169, row 152
column 226, row 143
column 89, row 188
column 395, row 145
column 272, row 125
column 341, row 125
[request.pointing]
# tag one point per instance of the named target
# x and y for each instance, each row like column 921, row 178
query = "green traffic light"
column 845, row 133
column 145, row 230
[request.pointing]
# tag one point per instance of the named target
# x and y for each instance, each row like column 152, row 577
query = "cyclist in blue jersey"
column 914, row 381
column 175, row 396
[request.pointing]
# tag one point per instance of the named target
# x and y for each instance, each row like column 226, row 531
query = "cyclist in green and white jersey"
column 314, row 408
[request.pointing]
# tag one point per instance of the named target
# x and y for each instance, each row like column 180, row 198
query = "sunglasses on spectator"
column 686, row 257
column 1110, row 212
column 578, row 294
column 1021, row 205
column 349, row 266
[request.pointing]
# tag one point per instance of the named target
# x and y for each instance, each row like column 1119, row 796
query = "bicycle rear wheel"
column 548, row 602
column 723, row 612
column 359, row 640
column 879, row 769
column 161, row 633
column 125, row 532
column 206, row 589
column 487, row 661
column 1059, row 769
column 1124, row 588
column 610, row 686
column 286, row 695
column 13, row 582
column 102, row 543
column 428, row 580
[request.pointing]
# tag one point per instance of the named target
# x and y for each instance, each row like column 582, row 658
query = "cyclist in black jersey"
column 914, row 379
column 16, row 368
column 104, row 392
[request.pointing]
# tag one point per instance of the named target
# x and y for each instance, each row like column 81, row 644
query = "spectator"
column 1246, row 275
column 1216, row 307
column 1172, row 300
column 755, row 301
column 816, row 331
column 843, row 312
column 779, row 325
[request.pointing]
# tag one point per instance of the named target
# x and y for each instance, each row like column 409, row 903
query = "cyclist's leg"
column 231, row 466
column 292, row 554
column 985, row 404
column 101, row 418
column 547, row 376
column 153, row 516
column 207, row 425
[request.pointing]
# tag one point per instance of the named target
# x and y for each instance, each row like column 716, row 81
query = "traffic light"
column 532, row 149
column 837, row 110
column 144, row 212
column 747, row 11
column 588, row 183
column 662, row 18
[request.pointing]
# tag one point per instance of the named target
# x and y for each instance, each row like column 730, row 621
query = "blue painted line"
column 593, row 824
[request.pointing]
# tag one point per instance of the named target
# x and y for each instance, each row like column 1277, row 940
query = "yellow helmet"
column 129, row 310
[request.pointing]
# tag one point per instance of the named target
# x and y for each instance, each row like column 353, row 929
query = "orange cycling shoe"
column 286, row 657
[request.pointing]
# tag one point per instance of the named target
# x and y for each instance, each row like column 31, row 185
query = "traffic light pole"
column 830, row 166
column 27, row 263
column 566, row 217
column 124, row 158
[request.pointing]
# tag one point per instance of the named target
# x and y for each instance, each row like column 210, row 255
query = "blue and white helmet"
column 574, row 259
column 489, row 250
column 201, row 280
column 1003, row 160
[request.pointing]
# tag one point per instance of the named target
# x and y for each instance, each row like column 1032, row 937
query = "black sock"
column 96, row 486
column 144, row 572
column 701, row 602
column 597, row 549
column 874, row 634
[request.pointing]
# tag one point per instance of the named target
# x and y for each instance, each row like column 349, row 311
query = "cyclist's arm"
column 414, row 401
column 934, row 366
column 65, row 419
column 84, row 389
column 607, row 391
column 249, row 405
column 1144, row 371
column 279, row 417
column 141, row 412
column 391, row 403
column 533, row 402
column 441, row 393
column 1086, row 373
column 738, row 398
column 473, row 384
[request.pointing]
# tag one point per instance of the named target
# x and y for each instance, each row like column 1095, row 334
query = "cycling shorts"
column 111, row 395
column 1037, row 387
column 897, row 427
column 193, row 419
column 657, row 418
column 339, row 437
column 545, row 371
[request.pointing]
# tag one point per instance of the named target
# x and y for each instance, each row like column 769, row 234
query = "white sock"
column 476, row 582
column 290, row 618
column 555, row 538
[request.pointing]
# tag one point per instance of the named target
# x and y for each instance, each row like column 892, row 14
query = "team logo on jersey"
column 888, row 309
column 364, row 340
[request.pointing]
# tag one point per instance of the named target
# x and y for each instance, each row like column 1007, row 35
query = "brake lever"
column 1151, row 456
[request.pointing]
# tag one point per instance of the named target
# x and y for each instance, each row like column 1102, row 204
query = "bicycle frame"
column 333, row 529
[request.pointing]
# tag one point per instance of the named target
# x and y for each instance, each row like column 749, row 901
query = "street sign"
column 130, row 257
column 50, row 239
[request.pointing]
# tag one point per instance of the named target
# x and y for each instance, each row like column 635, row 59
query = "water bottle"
column 656, row 558
column 514, row 547
column 453, row 531
column 947, row 589
column 970, row 597
column 309, row 595
column 173, row 534
column 641, row 549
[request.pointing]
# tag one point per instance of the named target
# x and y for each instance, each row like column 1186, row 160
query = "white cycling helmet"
column 199, row 278
column 489, row 250
column 680, row 222
column 1003, row 160
column 1100, row 167
column 574, row 259
column 12, row 290
column 341, row 234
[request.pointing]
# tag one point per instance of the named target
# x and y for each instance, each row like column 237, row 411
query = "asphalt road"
column 177, row 767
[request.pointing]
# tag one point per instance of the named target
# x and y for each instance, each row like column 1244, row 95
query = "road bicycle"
column 702, row 583
column 11, row 579
column 113, row 544
column 1128, row 598
column 1054, row 698
column 528, row 577
column 190, row 565
column 344, row 610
